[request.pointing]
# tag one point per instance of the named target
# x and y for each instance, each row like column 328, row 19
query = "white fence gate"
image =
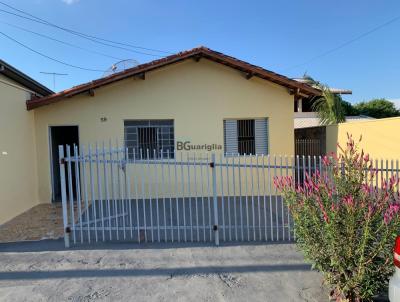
column 114, row 194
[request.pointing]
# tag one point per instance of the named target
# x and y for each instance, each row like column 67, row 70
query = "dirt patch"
column 43, row 221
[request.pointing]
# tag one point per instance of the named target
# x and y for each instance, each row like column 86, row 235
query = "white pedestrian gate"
column 113, row 194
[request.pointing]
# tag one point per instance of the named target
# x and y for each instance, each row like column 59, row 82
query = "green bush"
column 345, row 224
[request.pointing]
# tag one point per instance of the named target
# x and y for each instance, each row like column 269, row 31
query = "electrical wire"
column 345, row 43
column 83, row 35
column 62, row 42
column 48, row 57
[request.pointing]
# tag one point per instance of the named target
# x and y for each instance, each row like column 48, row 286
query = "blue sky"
column 276, row 35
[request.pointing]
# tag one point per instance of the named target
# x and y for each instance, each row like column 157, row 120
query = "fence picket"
column 252, row 198
column 228, row 198
column 183, row 200
column 189, row 199
column 234, row 198
column 240, row 200
column 143, row 197
column 215, row 198
column 170, row 196
column 155, row 155
column 106, row 184
column 85, row 192
column 128, row 190
column 265, row 199
column 222, row 198
column 270, row 197
column 99, row 191
column 196, row 196
column 164, row 194
column 71, row 192
column 202, row 200
column 246, row 198
column 150, row 195
column 136, row 179
column 209, row 199
column 63, row 195
column 176, row 198
column 94, row 211
column 78, row 190
column 258, row 199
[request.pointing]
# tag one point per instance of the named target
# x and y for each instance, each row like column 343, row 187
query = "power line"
column 62, row 42
column 48, row 57
column 83, row 35
column 345, row 43
column 80, row 35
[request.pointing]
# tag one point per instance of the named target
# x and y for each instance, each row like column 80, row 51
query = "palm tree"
column 328, row 105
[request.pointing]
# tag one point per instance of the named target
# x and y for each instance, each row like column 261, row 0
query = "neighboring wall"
column 18, row 174
column 380, row 138
column 197, row 95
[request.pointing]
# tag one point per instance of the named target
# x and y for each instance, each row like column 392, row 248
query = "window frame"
column 143, row 157
column 230, row 154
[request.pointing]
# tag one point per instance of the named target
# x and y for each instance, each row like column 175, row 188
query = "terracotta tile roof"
column 195, row 53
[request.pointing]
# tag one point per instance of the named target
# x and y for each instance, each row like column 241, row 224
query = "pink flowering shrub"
column 345, row 223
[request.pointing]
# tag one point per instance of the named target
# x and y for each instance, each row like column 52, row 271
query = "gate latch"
column 215, row 227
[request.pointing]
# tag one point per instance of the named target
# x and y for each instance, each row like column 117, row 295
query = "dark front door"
column 61, row 135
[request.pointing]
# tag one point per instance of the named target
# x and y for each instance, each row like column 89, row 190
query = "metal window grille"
column 149, row 139
column 246, row 137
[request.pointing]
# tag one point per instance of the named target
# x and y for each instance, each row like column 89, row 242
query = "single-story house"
column 18, row 165
column 198, row 99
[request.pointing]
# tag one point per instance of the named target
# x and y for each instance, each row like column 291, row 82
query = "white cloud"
column 69, row 2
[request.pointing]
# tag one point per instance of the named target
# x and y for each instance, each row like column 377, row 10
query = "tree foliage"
column 377, row 108
column 328, row 105
column 349, row 109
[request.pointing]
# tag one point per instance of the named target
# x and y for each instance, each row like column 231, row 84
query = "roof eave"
column 196, row 52
column 23, row 79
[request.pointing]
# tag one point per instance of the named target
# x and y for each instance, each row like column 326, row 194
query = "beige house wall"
column 18, row 169
column 380, row 138
column 198, row 96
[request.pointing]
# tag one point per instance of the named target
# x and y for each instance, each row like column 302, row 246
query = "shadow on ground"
column 181, row 271
column 58, row 245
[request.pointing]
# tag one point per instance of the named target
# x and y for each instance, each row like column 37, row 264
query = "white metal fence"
column 112, row 194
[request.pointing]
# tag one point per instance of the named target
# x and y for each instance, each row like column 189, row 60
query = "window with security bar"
column 246, row 136
column 149, row 139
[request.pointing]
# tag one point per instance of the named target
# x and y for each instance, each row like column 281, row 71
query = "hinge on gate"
column 215, row 227
column 67, row 230
column 212, row 165
column 62, row 161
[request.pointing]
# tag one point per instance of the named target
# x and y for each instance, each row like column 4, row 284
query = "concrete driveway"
column 44, row 271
